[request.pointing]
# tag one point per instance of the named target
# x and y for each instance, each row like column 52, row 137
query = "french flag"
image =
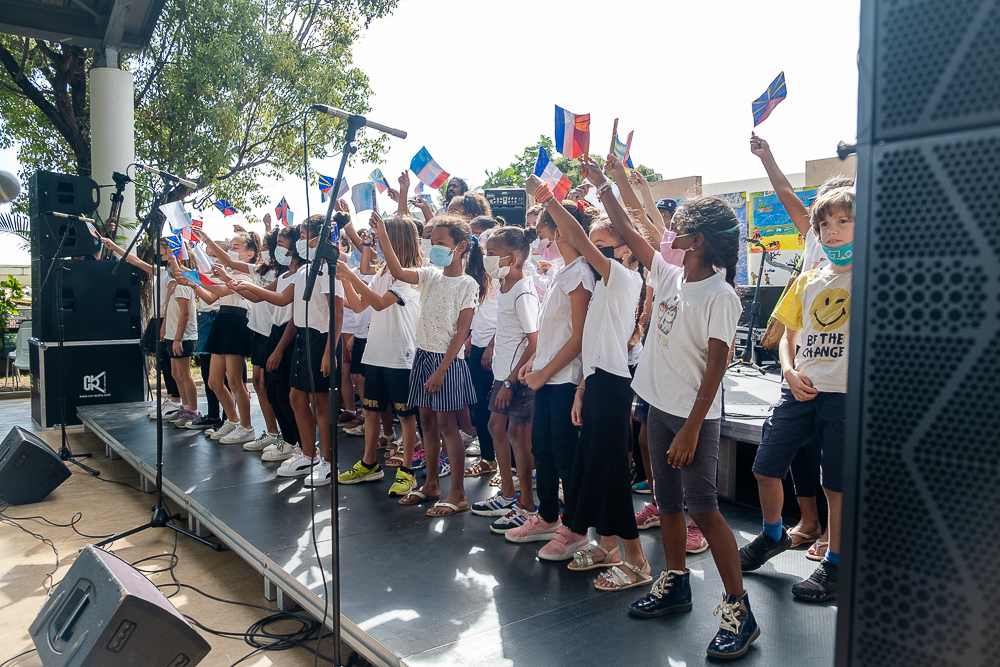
column 572, row 133
column 547, row 170
column 427, row 170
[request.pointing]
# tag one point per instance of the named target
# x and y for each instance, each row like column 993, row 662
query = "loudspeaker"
column 922, row 423
column 94, row 373
column 768, row 299
column 96, row 303
column 509, row 203
column 29, row 469
column 105, row 613
column 62, row 193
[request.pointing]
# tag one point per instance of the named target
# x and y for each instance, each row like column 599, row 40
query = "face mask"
column 425, row 247
column 235, row 255
column 548, row 251
column 609, row 252
column 840, row 255
column 353, row 261
column 534, row 244
column 671, row 255
column 282, row 256
column 440, row 256
column 302, row 248
column 493, row 268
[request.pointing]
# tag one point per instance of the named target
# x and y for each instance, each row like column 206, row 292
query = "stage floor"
column 420, row 591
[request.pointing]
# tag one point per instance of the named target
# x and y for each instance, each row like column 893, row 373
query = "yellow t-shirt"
column 819, row 307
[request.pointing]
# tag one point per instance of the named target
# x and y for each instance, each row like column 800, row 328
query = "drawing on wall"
column 738, row 200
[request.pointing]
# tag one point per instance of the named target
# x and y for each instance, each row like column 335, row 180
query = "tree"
column 219, row 93
column 518, row 171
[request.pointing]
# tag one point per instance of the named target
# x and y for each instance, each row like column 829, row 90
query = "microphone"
column 344, row 115
column 10, row 187
column 77, row 218
column 168, row 176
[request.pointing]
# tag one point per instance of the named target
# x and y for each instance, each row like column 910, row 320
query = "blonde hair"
column 834, row 201
column 402, row 231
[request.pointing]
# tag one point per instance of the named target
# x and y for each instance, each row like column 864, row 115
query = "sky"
column 476, row 83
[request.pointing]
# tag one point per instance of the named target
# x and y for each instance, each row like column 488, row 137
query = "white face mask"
column 493, row 268
column 235, row 255
column 282, row 256
column 302, row 248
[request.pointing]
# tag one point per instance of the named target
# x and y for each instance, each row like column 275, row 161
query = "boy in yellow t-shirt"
column 816, row 313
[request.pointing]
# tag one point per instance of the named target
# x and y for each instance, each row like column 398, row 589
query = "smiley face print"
column 830, row 310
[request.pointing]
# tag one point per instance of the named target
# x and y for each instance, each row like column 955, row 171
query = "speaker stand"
column 749, row 357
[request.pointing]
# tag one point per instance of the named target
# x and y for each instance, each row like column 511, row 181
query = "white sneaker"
column 261, row 442
column 238, row 435
column 169, row 410
column 152, row 411
column 297, row 466
column 466, row 438
column 321, row 475
column 225, row 430
column 189, row 416
column 280, row 451
column 473, row 449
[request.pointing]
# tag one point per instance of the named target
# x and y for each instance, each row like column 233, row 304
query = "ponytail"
column 718, row 224
column 477, row 269
column 460, row 231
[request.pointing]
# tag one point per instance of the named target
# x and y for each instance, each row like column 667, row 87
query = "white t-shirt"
column 282, row 314
column 517, row 316
column 611, row 321
column 261, row 313
column 173, row 314
column 685, row 316
column 555, row 320
column 362, row 320
column 235, row 299
column 484, row 322
column 164, row 281
column 319, row 302
column 393, row 330
column 204, row 307
column 442, row 300
column 814, row 257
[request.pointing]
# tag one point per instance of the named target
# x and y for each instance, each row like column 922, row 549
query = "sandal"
column 415, row 498
column 619, row 580
column 800, row 539
column 481, row 467
column 394, row 457
column 817, row 551
column 584, row 560
column 453, row 509
column 497, row 480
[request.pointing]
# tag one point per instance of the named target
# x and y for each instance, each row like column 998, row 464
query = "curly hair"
column 716, row 221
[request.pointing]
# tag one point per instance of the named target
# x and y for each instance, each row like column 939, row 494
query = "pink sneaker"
column 535, row 529
column 563, row 545
column 648, row 517
column 696, row 542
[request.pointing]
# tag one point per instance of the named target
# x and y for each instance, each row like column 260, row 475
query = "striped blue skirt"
column 456, row 390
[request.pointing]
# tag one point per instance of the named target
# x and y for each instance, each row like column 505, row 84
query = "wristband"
column 543, row 194
column 603, row 187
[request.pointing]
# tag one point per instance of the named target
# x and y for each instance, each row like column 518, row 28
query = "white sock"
column 273, row 435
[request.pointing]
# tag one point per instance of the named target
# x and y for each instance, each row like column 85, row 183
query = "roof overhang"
column 123, row 25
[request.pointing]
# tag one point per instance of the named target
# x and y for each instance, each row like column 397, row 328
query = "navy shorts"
column 792, row 423
column 187, row 345
column 387, row 388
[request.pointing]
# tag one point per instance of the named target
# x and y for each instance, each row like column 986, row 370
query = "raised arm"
column 619, row 218
column 359, row 294
column 130, row 258
column 391, row 261
column 269, row 293
column 779, row 183
column 221, row 255
column 404, row 192
column 638, row 218
column 639, row 181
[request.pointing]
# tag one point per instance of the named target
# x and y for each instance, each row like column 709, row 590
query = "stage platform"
column 419, row 591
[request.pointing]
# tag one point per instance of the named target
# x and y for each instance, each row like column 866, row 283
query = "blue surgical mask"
column 282, row 256
column 354, row 259
column 840, row 255
column 440, row 256
column 302, row 248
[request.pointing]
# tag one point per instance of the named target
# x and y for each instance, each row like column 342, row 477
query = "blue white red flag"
column 427, row 170
column 281, row 211
column 547, row 170
column 572, row 133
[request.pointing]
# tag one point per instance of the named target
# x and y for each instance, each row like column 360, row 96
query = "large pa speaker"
column 922, row 428
column 97, row 304
column 105, row 613
column 51, row 236
column 509, row 203
column 29, row 469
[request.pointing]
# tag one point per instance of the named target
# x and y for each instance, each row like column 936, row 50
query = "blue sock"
column 832, row 557
column 773, row 530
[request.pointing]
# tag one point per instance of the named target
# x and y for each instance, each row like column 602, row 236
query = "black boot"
column 821, row 584
column 671, row 593
column 763, row 549
column 737, row 630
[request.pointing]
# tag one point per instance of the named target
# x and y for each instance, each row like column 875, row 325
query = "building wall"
column 22, row 273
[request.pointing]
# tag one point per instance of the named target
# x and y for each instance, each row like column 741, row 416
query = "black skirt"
column 258, row 349
column 280, row 376
column 229, row 333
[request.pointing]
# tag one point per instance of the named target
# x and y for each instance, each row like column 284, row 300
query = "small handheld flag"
column 420, row 194
column 201, row 258
column 226, row 208
column 363, row 197
column 622, row 150
column 326, row 186
column 379, row 180
column 281, row 211
column 572, row 133
column 198, row 278
column 764, row 105
column 176, row 215
column 547, row 170
column 177, row 246
column 427, row 170
column 197, row 223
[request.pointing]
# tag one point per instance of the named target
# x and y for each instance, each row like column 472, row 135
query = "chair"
column 18, row 359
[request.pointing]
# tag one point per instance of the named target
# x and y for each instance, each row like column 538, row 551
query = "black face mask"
column 609, row 252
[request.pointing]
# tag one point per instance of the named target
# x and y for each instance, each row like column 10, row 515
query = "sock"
column 274, row 435
column 408, row 471
column 370, row 466
column 833, row 558
column 176, row 405
column 773, row 530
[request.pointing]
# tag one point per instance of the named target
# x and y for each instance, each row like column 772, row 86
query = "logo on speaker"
column 96, row 383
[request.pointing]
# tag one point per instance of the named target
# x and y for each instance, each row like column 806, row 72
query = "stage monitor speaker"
column 105, row 613
column 922, row 424
column 97, row 304
column 29, row 469
column 61, row 193
column 509, row 203
column 768, row 299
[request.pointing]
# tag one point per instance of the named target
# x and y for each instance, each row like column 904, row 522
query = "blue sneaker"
column 642, row 487
column 670, row 593
column 737, row 630
column 517, row 516
column 498, row 505
column 444, row 467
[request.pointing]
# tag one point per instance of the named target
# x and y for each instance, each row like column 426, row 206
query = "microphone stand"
column 160, row 518
column 749, row 356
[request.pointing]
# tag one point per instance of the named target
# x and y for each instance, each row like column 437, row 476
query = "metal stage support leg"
column 270, row 590
column 195, row 526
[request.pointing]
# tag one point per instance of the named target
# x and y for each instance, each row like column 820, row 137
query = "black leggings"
column 168, row 378
column 482, row 381
column 278, row 389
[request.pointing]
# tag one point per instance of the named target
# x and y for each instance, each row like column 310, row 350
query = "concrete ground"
column 107, row 508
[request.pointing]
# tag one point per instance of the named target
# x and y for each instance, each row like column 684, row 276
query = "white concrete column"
column 112, row 135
